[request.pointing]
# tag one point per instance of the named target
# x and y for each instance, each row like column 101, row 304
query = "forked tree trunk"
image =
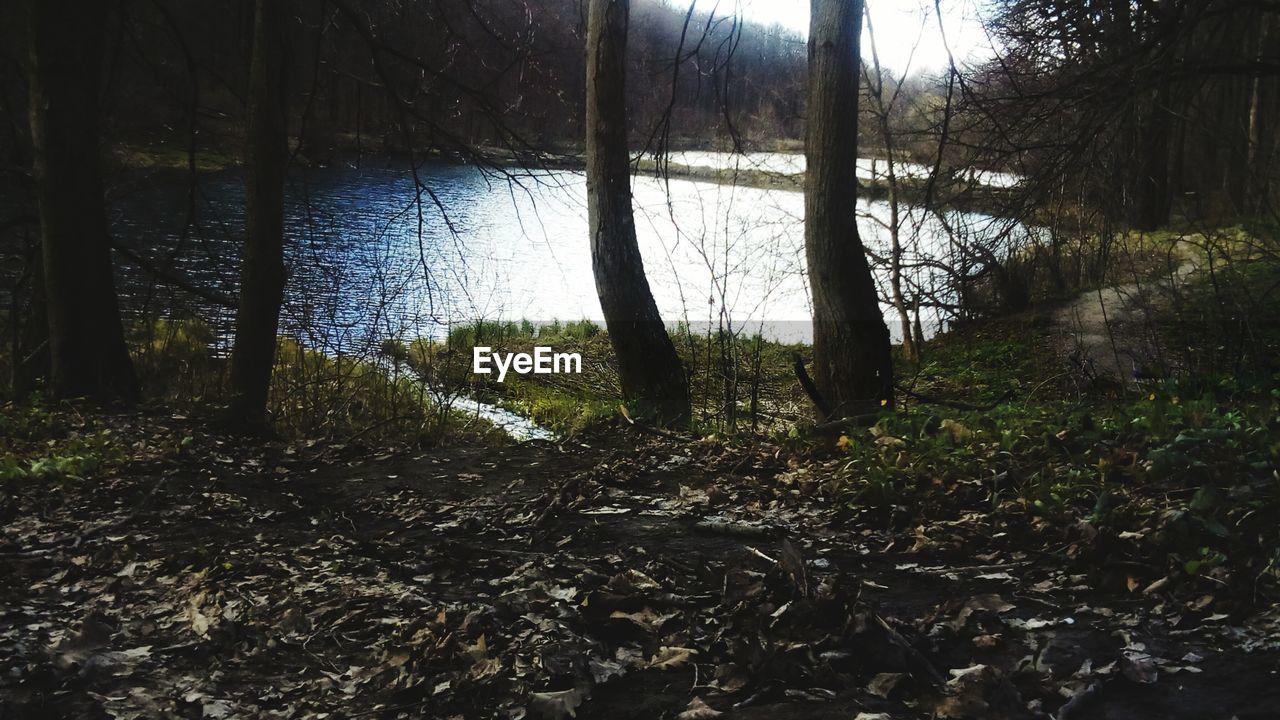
column 648, row 368
column 853, row 367
column 262, row 273
column 87, row 351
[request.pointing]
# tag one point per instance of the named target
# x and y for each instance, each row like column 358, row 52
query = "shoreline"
column 986, row 199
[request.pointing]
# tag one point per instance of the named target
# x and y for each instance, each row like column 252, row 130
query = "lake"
column 371, row 257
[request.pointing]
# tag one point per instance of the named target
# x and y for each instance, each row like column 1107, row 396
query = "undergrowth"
column 1189, row 464
column 37, row 444
column 737, row 381
column 313, row 395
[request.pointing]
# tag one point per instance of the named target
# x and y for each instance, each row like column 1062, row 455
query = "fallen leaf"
column 1156, row 586
column 698, row 710
column 1139, row 667
column 671, row 657
column 646, row 618
column 884, row 684
column 557, row 705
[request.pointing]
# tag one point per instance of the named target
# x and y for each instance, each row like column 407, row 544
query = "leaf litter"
column 229, row 579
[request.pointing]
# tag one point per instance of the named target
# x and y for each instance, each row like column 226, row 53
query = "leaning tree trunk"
column 853, row 367
column 87, row 351
column 648, row 367
column 262, row 273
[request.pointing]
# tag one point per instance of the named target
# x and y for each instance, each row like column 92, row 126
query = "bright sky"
column 900, row 26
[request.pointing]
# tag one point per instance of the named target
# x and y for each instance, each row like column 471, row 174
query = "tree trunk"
column 853, row 368
column 1261, row 139
column 1152, row 197
column 262, row 273
column 648, row 367
column 87, row 351
column 898, row 298
column 30, row 323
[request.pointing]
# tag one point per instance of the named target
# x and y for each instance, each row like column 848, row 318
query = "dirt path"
column 1108, row 333
column 623, row 578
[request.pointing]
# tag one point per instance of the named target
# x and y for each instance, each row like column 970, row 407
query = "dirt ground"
column 1112, row 333
column 620, row 576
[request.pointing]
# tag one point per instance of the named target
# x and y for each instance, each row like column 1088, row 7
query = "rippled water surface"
column 370, row 255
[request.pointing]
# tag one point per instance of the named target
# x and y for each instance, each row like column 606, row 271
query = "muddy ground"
column 620, row 576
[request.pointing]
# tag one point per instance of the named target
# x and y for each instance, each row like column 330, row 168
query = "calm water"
column 794, row 164
column 371, row 257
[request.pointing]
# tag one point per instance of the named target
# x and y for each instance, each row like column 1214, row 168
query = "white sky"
column 900, row 26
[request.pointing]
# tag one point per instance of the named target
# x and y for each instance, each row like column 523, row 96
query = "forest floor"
column 1070, row 553
column 616, row 575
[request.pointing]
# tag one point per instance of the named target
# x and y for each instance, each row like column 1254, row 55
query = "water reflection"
column 781, row 163
column 371, row 256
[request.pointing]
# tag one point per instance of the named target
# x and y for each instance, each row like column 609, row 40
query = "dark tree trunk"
column 1261, row 135
column 262, row 273
column 87, row 351
column 648, row 367
column 30, row 322
column 1152, row 198
column 853, row 367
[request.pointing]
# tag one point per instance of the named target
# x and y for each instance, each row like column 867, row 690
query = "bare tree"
column 852, row 361
column 884, row 109
column 1141, row 111
column 262, row 273
column 87, row 351
column 648, row 368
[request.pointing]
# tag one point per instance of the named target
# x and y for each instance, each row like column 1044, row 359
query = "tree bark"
column 30, row 323
column 87, row 351
column 262, row 272
column 1261, row 137
column 853, row 367
column 1152, row 196
column 649, row 370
